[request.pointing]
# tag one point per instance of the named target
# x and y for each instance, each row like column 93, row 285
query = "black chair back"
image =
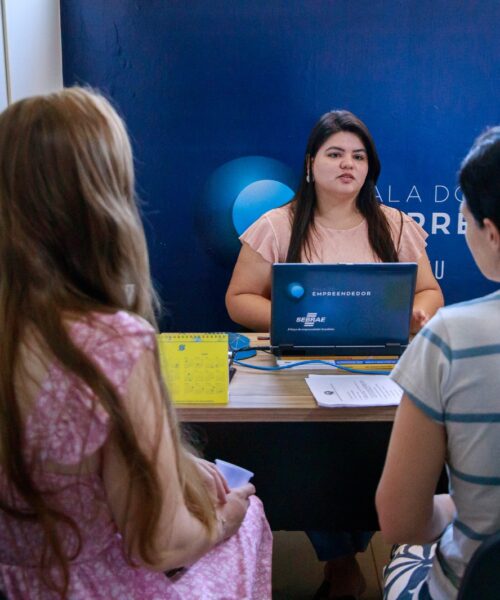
column 481, row 580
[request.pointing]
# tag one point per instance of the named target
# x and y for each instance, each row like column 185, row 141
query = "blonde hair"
column 71, row 241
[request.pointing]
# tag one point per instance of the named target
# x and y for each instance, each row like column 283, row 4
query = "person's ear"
column 492, row 234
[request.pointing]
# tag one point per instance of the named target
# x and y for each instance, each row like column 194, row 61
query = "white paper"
column 354, row 390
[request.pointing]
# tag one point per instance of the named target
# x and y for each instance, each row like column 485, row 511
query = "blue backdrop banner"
column 220, row 95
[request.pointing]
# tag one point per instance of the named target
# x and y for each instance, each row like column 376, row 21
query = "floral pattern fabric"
column 66, row 423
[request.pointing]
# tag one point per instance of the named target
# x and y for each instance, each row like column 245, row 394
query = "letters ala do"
column 440, row 222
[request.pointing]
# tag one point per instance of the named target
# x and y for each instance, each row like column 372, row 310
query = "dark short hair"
column 480, row 177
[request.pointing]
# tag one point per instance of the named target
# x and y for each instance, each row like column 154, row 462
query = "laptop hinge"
column 285, row 349
column 395, row 348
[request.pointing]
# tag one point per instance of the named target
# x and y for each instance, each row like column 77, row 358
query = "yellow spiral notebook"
column 195, row 367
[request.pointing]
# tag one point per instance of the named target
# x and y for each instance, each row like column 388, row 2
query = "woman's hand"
column 445, row 509
column 428, row 295
column 419, row 318
column 232, row 513
column 214, row 481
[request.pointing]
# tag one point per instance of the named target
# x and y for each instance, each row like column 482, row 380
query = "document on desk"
column 354, row 390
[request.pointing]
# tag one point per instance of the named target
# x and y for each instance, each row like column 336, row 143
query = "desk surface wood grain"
column 281, row 396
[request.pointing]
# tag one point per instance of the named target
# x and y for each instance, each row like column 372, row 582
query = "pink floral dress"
column 63, row 427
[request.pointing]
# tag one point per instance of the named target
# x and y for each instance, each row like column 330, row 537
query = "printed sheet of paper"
column 354, row 390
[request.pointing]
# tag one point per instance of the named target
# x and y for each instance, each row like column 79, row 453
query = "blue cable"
column 309, row 362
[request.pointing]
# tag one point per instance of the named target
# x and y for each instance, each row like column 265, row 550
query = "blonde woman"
column 98, row 494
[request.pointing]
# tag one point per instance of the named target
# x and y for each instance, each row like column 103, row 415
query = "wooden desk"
column 282, row 396
column 314, row 467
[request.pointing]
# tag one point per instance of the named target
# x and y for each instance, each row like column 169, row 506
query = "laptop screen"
column 341, row 309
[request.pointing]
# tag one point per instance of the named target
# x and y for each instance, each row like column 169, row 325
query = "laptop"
column 341, row 309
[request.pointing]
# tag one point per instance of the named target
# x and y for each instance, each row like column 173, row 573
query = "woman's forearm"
column 188, row 540
column 429, row 301
column 250, row 310
column 443, row 512
column 421, row 527
column 425, row 305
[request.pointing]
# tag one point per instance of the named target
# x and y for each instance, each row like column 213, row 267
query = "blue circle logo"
column 256, row 199
column 296, row 290
column 236, row 195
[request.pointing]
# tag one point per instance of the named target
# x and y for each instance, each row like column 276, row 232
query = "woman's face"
column 340, row 166
column 483, row 243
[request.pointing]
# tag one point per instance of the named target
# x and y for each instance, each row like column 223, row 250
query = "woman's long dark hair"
column 304, row 202
column 480, row 177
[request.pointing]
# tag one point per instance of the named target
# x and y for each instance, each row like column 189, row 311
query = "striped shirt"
column 451, row 371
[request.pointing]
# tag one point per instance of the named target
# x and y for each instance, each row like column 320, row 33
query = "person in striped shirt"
column 449, row 416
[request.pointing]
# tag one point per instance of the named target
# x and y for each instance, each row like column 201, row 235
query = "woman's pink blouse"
column 270, row 237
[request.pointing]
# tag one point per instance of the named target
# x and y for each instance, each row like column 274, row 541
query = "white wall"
column 3, row 79
column 31, row 51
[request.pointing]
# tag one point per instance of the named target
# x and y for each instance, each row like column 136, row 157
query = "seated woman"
column 333, row 218
column 98, row 494
column 449, row 415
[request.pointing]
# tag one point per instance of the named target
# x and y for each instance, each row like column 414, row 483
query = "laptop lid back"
column 341, row 309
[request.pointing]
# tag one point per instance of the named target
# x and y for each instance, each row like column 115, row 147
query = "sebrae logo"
column 311, row 319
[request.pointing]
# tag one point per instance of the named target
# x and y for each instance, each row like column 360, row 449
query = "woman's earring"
column 309, row 178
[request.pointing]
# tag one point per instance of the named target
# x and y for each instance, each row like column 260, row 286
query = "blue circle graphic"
column 235, row 195
column 256, row 199
column 296, row 290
